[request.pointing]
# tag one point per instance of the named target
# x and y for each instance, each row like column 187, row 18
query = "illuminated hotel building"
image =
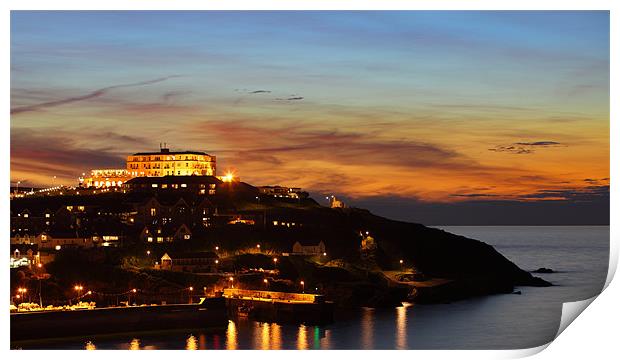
column 153, row 164
column 166, row 162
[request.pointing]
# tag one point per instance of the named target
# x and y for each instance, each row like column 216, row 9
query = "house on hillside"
column 308, row 248
column 58, row 239
column 189, row 262
column 165, row 233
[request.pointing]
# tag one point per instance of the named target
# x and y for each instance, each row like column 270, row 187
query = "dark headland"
column 369, row 260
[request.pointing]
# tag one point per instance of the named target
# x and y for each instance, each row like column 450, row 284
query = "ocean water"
column 579, row 254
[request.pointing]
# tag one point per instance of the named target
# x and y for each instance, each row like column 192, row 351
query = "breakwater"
column 211, row 313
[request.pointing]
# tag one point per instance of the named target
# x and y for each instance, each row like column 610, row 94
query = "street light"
column 401, row 264
column 148, row 253
column 258, row 247
column 217, row 248
column 266, row 283
column 79, row 289
column 303, row 287
column 275, row 263
column 189, row 293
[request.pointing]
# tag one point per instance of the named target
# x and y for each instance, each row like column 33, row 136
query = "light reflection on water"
column 191, row 343
column 401, row 326
column 367, row 324
column 302, row 338
column 134, row 344
column 231, row 336
column 247, row 334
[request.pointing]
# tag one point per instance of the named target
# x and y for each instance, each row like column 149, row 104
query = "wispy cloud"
column 524, row 147
column 90, row 95
column 291, row 98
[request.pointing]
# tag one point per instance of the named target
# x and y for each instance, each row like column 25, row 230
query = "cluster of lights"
column 21, row 292
column 48, row 190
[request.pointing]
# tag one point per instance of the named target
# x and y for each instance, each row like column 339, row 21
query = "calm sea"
column 579, row 254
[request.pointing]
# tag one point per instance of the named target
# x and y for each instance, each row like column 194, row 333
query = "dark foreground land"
column 436, row 266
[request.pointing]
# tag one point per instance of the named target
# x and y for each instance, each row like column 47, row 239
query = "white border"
column 594, row 332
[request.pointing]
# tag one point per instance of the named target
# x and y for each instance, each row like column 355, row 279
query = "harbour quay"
column 282, row 307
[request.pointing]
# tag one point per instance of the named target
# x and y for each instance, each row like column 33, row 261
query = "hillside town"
column 162, row 197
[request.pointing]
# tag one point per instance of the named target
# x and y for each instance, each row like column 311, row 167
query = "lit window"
column 160, row 239
column 186, row 236
column 183, row 185
column 153, row 212
column 69, row 208
column 275, row 223
column 202, row 191
column 25, row 215
column 44, row 237
column 149, row 239
column 81, row 208
column 154, row 185
column 164, row 186
column 47, row 215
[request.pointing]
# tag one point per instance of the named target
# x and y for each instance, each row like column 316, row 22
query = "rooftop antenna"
column 163, row 149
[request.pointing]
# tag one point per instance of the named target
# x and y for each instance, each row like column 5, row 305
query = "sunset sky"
column 380, row 108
